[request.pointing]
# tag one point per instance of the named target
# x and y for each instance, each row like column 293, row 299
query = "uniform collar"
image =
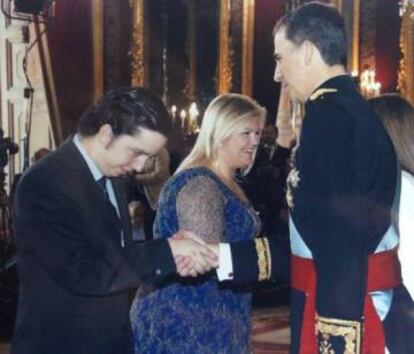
column 340, row 83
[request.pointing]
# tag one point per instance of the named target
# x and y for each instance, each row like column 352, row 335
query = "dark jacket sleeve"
column 83, row 256
column 246, row 265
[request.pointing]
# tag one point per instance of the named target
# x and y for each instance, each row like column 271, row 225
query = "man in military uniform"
column 347, row 293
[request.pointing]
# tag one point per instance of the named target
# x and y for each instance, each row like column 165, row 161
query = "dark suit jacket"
column 265, row 186
column 74, row 273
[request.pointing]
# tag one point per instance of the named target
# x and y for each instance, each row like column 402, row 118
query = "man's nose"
column 139, row 163
column 277, row 77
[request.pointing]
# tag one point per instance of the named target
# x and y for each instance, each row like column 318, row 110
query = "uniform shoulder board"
column 320, row 92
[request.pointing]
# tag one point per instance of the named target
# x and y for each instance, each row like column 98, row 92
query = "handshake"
column 192, row 255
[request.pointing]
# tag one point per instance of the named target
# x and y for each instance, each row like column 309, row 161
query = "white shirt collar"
column 93, row 167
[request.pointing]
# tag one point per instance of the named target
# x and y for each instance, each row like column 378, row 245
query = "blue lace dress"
column 197, row 315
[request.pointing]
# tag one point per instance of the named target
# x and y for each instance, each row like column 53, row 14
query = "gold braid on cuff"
column 263, row 258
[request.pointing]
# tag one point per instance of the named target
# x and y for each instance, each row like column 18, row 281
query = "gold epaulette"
column 264, row 259
column 349, row 332
column 320, row 92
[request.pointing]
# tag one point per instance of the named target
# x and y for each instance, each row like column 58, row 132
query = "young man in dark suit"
column 75, row 255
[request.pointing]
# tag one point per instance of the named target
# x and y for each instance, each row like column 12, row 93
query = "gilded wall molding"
column 139, row 75
column 236, row 45
column 338, row 4
column 353, row 65
column 98, row 51
column 191, row 79
column 247, row 47
column 351, row 11
column 225, row 64
column 406, row 71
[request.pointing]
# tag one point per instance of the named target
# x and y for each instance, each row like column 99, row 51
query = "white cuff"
column 225, row 269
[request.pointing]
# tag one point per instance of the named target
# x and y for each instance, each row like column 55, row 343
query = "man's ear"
column 308, row 51
column 105, row 135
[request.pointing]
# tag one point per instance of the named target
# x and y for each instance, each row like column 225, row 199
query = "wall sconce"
column 405, row 7
column 368, row 86
column 186, row 119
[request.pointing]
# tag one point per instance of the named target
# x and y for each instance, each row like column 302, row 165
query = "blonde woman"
column 200, row 315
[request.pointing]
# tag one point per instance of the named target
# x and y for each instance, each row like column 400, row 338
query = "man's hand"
column 191, row 254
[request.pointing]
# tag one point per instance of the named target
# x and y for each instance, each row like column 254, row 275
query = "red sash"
column 383, row 273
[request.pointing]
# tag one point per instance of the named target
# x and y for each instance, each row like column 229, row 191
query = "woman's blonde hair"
column 224, row 115
column 397, row 115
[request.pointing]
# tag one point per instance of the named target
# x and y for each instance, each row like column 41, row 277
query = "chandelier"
column 407, row 6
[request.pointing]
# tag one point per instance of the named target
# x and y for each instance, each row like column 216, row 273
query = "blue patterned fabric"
column 195, row 315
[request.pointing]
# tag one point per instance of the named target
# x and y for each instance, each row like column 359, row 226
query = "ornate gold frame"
column 139, row 75
column 351, row 10
column 224, row 60
column 406, row 72
column 353, row 61
column 247, row 48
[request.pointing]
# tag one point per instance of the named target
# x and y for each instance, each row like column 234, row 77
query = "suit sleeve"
column 50, row 229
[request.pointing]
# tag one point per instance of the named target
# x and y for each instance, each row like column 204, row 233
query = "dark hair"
column 126, row 110
column 322, row 25
column 40, row 153
column 397, row 115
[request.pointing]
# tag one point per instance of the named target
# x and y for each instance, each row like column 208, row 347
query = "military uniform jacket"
column 341, row 193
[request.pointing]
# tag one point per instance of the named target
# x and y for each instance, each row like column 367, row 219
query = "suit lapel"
column 80, row 172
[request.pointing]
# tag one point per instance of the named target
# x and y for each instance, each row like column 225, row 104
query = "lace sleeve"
column 200, row 209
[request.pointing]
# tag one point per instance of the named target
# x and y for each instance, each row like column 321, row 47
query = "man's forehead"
column 149, row 141
column 280, row 40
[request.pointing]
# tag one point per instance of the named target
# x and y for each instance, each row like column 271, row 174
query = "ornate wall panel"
column 351, row 10
column 225, row 65
column 12, row 49
column 139, row 66
column 236, row 35
column 67, row 53
column 406, row 72
column 368, row 34
column 247, row 46
column 14, row 107
column 98, row 48
column 117, row 17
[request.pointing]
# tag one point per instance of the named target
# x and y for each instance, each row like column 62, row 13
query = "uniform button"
column 158, row 272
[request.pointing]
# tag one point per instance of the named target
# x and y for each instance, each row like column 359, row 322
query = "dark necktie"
column 102, row 184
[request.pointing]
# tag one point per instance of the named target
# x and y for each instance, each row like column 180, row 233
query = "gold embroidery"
column 268, row 257
column 293, row 178
column 261, row 258
column 321, row 92
column 350, row 331
column 292, row 182
column 325, row 347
